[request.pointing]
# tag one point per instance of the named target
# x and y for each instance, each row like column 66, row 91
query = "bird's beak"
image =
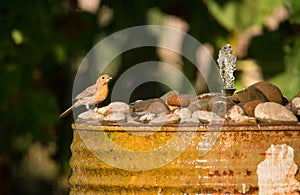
column 109, row 78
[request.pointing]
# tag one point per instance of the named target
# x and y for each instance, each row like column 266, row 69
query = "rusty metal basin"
column 111, row 159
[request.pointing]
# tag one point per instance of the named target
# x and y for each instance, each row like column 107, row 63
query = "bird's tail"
column 65, row 113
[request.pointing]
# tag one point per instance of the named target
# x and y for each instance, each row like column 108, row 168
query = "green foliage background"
column 40, row 41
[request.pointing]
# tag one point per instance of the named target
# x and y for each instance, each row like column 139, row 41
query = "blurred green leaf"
column 294, row 7
column 237, row 16
column 289, row 80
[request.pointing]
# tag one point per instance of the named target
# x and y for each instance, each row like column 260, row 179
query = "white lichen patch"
column 276, row 172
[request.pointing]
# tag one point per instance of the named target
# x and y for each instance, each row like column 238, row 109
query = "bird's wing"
column 90, row 91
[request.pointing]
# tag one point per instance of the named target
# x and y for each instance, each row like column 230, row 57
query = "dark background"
column 43, row 42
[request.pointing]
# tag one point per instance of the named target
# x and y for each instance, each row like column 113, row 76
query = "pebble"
column 249, row 94
column 207, row 117
column 270, row 91
column 183, row 113
column 179, row 101
column 119, row 107
column 147, row 117
column 90, row 115
column 234, row 111
column 296, row 104
column 167, row 95
column 166, row 119
column 249, row 107
column 274, row 113
column 220, row 105
column 155, row 105
column 242, row 119
column 190, row 121
column 116, row 117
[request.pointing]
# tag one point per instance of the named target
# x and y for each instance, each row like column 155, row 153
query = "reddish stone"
column 179, row 101
column 270, row 91
column 249, row 107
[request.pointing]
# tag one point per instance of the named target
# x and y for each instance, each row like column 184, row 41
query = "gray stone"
column 207, row 117
column 274, row 113
column 113, row 107
column 105, row 110
column 190, row 121
column 166, row 119
column 296, row 103
column 183, row 113
column 147, row 117
column 90, row 115
column 119, row 107
column 116, row 117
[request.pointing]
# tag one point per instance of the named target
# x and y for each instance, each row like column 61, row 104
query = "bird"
column 93, row 95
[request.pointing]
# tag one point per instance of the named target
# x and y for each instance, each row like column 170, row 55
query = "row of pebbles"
column 261, row 103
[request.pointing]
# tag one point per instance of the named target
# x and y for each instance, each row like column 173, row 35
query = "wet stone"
column 249, row 107
column 274, row 113
column 179, row 101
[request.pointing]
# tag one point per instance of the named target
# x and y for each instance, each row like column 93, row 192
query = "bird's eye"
column 102, row 77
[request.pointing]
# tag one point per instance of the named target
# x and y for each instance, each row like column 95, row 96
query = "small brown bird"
column 92, row 95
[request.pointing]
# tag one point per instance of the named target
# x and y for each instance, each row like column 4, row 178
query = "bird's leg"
column 96, row 108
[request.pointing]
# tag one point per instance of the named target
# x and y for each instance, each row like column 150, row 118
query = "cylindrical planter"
column 229, row 166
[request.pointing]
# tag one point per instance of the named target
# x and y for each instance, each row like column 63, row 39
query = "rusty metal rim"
column 187, row 128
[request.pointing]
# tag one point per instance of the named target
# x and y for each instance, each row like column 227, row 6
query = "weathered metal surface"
column 230, row 165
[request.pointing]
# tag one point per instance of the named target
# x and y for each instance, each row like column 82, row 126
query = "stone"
column 274, row 113
column 276, row 172
column 243, row 119
column 296, row 104
column 119, row 107
column 270, row 91
column 220, row 105
column 183, row 113
column 105, row 110
column 179, row 101
column 190, row 121
column 155, row 105
column 115, row 117
column 249, row 94
column 207, row 117
column 234, row 112
column 114, row 107
column 249, row 107
column 166, row 119
column 167, row 95
column 90, row 115
column 158, row 108
column 147, row 117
